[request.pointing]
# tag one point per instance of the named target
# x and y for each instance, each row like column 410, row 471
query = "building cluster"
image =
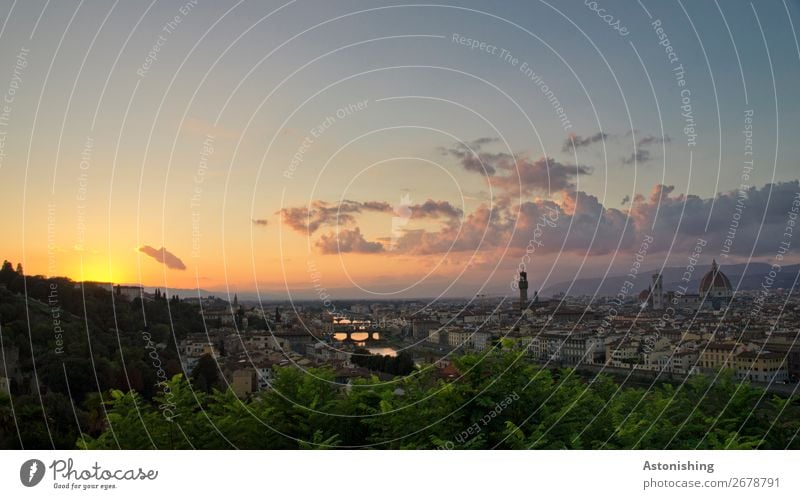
column 247, row 356
column 659, row 331
column 676, row 332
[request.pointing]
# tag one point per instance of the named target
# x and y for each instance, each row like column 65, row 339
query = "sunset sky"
column 153, row 142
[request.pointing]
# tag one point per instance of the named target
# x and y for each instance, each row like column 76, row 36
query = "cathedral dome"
column 715, row 283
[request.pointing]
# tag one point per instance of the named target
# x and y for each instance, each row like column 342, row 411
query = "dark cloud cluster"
column 321, row 213
column 517, row 173
column 756, row 217
column 544, row 175
column 585, row 226
column 474, row 158
column 576, row 141
column 506, row 223
column 484, row 227
column 308, row 220
column 435, row 209
column 163, row 256
column 579, row 223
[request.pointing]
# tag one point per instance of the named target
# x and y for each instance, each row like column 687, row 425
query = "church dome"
column 715, row 283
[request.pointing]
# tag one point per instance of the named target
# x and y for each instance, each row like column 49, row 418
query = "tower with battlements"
column 523, row 290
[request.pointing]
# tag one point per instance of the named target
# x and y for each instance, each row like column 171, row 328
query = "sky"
column 383, row 149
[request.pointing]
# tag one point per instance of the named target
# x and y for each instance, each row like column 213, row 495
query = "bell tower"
column 657, row 292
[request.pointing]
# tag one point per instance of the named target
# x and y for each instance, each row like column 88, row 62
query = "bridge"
column 371, row 335
column 346, row 329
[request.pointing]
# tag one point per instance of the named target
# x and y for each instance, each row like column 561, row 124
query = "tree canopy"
column 497, row 402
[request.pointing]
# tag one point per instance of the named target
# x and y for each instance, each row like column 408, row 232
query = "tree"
column 6, row 422
column 7, row 272
column 205, row 375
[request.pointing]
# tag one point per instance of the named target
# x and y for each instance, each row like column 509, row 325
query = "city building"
column 715, row 287
column 421, row 328
column 567, row 347
column 766, row 367
column 623, row 352
column 243, row 382
column 715, row 356
column 129, row 292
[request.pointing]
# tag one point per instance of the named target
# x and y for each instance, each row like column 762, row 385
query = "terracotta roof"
column 714, row 278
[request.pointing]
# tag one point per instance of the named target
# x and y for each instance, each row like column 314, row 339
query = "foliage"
column 508, row 402
column 69, row 344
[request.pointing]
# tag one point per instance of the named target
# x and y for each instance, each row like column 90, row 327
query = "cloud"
column 347, row 241
column 543, row 175
column 652, row 139
column 481, row 141
column 260, row 222
column 642, row 155
column 322, row 213
column 515, row 173
column 733, row 213
column 585, row 226
column 484, row 228
column 163, row 256
column 506, row 223
column 576, row 141
column 512, row 227
column 638, row 156
column 474, row 159
column 435, row 209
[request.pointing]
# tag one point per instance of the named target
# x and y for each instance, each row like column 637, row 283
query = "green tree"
column 205, row 375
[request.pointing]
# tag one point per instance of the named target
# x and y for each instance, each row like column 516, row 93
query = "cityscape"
column 666, row 335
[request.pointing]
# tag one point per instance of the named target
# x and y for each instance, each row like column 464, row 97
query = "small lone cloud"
column 260, row 222
column 163, row 256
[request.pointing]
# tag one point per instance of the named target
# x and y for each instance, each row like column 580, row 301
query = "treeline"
column 64, row 344
column 498, row 401
column 399, row 365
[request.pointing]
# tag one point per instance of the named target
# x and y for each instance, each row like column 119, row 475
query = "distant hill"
column 750, row 275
